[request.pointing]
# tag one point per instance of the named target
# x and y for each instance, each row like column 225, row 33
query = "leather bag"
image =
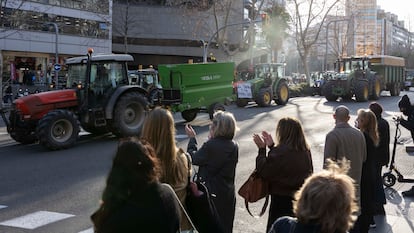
column 254, row 189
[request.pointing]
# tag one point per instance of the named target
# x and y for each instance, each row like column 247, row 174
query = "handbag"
column 254, row 189
column 200, row 207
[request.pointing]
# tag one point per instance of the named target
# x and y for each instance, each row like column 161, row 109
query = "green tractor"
column 365, row 78
column 267, row 84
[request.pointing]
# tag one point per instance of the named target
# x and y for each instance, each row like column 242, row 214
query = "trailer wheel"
column 282, row 93
column 58, row 129
column 214, row 108
column 129, row 114
column 264, row 97
column 328, row 92
column 395, row 89
column 242, row 102
column 361, row 91
column 189, row 115
column 388, row 179
column 376, row 89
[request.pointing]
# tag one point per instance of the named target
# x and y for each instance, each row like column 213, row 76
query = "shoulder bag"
column 200, row 206
column 254, row 189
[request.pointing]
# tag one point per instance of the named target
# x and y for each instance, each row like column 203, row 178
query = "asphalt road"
column 45, row 191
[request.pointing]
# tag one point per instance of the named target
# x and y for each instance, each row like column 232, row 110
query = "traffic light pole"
column 56, row 51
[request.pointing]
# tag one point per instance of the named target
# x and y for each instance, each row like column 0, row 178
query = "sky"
column 402, row 8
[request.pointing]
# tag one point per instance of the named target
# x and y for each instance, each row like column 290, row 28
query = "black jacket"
column 217, row 159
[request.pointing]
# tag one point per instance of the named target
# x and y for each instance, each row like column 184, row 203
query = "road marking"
column 3, row 206
column 90, row 230
column 36, row 219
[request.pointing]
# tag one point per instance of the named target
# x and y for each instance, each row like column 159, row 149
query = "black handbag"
column 201, row 208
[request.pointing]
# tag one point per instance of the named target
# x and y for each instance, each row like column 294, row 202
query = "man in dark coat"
column 408, row 110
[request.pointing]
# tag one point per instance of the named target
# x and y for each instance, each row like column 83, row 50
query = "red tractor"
column 97, row 97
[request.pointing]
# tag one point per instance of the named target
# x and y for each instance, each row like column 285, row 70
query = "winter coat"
column 217, row 159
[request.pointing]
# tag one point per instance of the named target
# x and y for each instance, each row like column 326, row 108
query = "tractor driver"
column 407, row 109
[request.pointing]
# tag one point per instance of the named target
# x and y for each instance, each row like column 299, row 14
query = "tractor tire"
column 264, row 97
column 361, row 91
column 376, row 89
column 395, row 89
column 189, row 115
column 282, row 93
column 214, row 108
column 23, row 136
column 129, row 115
column 328, row 92
column 58, row 129
column 242, row 102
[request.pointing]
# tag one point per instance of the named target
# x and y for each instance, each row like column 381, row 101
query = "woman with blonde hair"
column 367, row 122
column 325, row 203
column 217, row 159
column 159, row 130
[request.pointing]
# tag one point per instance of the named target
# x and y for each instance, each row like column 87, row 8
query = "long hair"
column 134, row 167
column 367, row 122
column 159, row 131
column 327, row 198
column 289, row 132
column 224, row 125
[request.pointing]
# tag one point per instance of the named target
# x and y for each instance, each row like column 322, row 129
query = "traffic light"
column 265, row 19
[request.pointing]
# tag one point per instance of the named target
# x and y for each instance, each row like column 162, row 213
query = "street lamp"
column 205, row 51
column 56, row 50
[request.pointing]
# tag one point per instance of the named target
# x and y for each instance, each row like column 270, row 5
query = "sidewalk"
column 399, row 216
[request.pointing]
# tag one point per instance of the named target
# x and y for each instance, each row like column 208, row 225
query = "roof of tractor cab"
column 100, row 57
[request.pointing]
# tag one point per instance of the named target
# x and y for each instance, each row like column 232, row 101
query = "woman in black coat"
column 134, row 200
column 217, row 159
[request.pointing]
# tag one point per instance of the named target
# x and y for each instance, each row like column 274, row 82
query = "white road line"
column 90, row 230
column 3, row 206
column 36, row 219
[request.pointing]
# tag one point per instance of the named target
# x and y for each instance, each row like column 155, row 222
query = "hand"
column 259, row 142
column 190, row 131
column 267, row 138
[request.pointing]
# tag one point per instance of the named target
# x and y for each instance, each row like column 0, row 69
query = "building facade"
column 29, row 43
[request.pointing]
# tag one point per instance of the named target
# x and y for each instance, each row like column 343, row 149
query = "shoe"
column 409, row 193
column 372, row 225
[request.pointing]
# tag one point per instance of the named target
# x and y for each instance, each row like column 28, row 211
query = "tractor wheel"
column 214, row 108
column 282, row 93
column 361, row 91
column 328, row 92
column 129, row 115
column 376, row 89
column 58, row 129
column 264, row 97
column 189, row 115
column 242, row 102
column 23, row 136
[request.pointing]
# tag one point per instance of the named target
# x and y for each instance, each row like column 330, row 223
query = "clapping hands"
column 264, row 140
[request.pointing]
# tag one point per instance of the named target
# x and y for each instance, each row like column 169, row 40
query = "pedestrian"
column 8, row 94
column 286, row 166
column 383, row 156
column 324, row 204
column 217, row 159
column 408, row 110
column 367, row 123
column 345, row 141
column 134, row 200
column 159, row 130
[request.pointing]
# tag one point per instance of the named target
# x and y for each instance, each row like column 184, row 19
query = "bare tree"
column 308, row 19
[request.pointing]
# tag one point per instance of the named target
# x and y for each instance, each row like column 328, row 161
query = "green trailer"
column 199, row 87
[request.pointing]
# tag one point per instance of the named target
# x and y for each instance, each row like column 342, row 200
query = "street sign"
column 57, row 67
